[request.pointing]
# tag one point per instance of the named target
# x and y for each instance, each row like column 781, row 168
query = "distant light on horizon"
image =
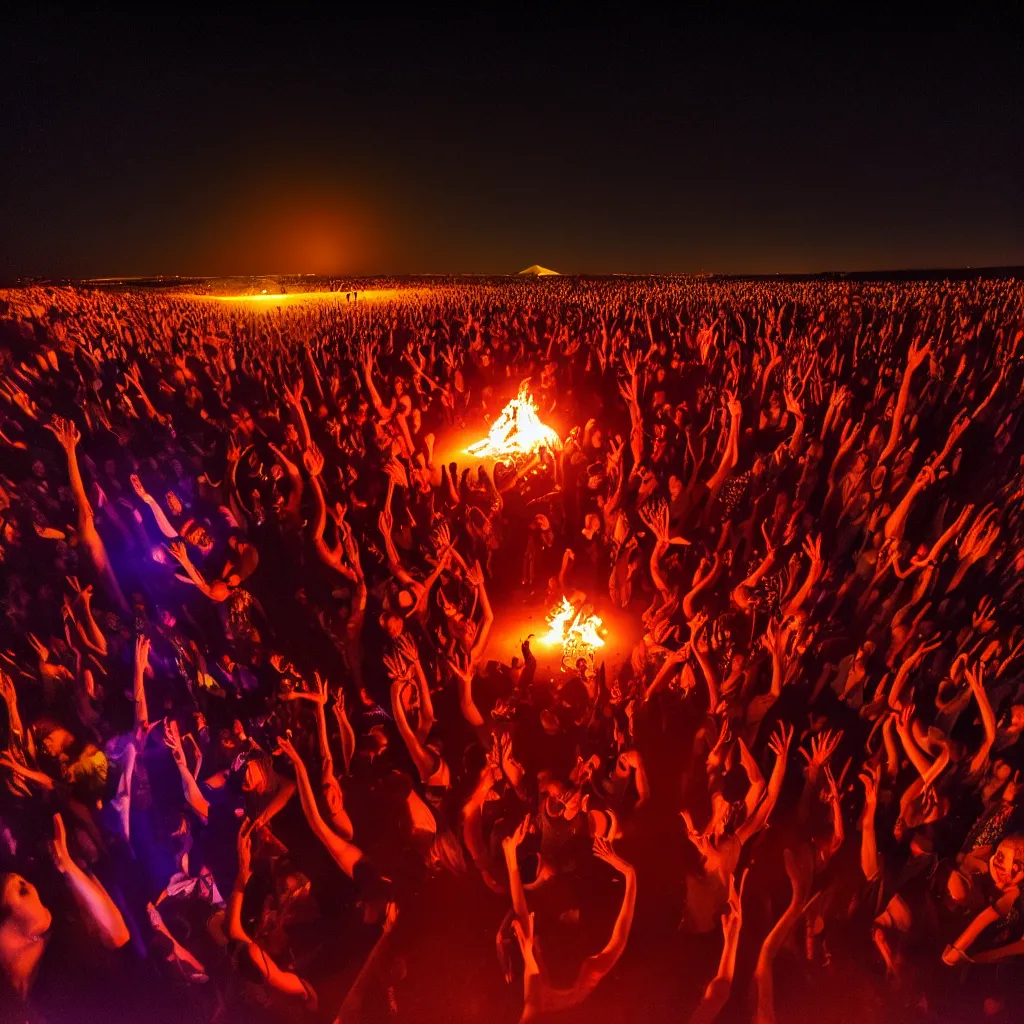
column 295, row 298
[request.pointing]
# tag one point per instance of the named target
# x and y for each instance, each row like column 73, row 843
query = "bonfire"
column 517, row 432
column 576, row 632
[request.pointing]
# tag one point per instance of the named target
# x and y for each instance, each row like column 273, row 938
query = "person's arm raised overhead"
column 345, row 853
column 285, row 982
column 217, row 591
column 916, row 355
column 193, row 794
column 871, row 777
column 162, row 522
column 92, row 899
column 68, row 436
column 718, row 990
column 779, row 745
column 329, row 787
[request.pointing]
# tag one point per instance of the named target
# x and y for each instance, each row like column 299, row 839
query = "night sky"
column 183, row 143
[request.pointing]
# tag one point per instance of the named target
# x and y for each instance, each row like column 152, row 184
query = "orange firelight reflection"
column 300, row 298
column 517, row 432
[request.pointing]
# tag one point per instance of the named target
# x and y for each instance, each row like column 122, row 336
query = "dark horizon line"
column 1007, row 270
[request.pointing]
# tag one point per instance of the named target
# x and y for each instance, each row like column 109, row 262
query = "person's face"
column 597, row 438
column 57, row 742
column 21, row 901
column 1006, row 865
column 173, row 503
column 255, row 780
column 675, row 486
column 291, row 435
column 394, row 626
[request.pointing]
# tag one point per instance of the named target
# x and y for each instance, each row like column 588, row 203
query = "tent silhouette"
column 538, row 271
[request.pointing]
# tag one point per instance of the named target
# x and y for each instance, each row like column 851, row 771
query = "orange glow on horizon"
column 296, row 298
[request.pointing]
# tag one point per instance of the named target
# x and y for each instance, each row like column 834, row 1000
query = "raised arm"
column 800, row 875
column 217, row 591
column 779, row 745
column 425, row 762
column 915, row 357
column 475, row 576
column 340, row 821
column 92, row 899
column 285, row 982
column 813, row 550
column 162, row 522
column 294, row 503
column 731, row 454
column 698, row 624
column 597, row 967
column 896, row 522
column 345, row 854
column 68, row 436
column 463, row 672
column 718, row 990
column 871, row 777
column 193, row 794
column 988, row 719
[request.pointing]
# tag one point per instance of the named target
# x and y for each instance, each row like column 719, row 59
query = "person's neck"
column 19, row 956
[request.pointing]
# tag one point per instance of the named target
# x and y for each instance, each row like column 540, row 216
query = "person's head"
column 21, row 909
column 1006, row 865
column 675, row 487
column 393, row 625
column 549, row 722
column 1017, row 717
column 257, row 775
column 173, row 503
column 58, row 742
column 196, row 534
column 376, row 742
column 445, row 854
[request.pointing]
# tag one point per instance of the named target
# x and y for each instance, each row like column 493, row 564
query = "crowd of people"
column 261, row 757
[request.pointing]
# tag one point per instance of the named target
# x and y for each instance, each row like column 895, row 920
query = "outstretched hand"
column 822, row 748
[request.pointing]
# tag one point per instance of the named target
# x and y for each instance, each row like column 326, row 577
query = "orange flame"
column 518, row 431
column 576, row 632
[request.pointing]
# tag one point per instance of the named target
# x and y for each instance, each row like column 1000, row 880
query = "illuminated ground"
column 305, row 298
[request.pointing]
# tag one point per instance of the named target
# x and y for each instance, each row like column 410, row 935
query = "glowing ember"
column 518, row 431
column 576, row 632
